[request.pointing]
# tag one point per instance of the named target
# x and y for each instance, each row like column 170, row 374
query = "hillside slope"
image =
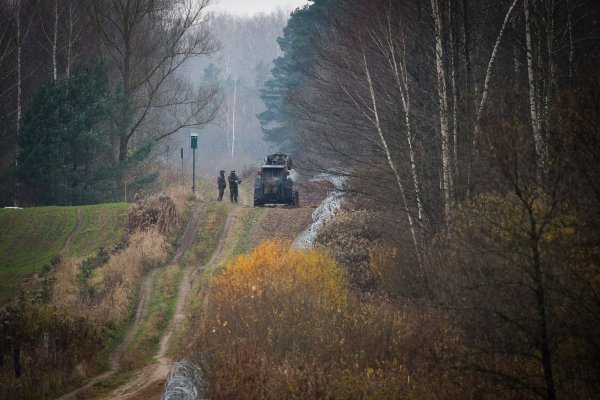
column 31, row 237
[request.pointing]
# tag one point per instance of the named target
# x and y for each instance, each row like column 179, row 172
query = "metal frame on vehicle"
column 273, row 185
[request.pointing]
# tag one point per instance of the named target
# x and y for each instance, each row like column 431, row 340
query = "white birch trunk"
column 401, row 77
column 454, row 92
column 551, row 64
column 516, row 63
column 571, row 45
column 19, row 94
column 488, row 73
column 233, row 118
column 443, row 104
column 19, row 77
column 533, row 93
column 55, row 43
column 71, row 39
column 228, row 123
column 376, row 121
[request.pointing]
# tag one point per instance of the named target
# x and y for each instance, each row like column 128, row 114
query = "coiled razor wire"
column 324, row 212
column 183, row 382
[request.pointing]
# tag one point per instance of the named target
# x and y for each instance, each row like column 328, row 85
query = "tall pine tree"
column 305, row 26
column 66, row 155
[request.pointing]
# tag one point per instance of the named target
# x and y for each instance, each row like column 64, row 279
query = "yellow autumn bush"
column 261, row 295
column 283, row 323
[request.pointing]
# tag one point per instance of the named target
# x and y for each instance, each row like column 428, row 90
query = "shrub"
column 155, row 212
column 118, row 279
column 282, row 323
column 41, row 348
column 260, row 295
column 349, row 236
column 523, row 293
column 373, row 248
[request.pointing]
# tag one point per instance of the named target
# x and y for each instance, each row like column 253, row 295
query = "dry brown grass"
column 119, row 278
column 116, row 283
column 82, row 311
column 154, row 212
column 66, row 290
column 180, row 194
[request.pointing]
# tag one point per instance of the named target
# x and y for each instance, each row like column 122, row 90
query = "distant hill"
column 31, row 237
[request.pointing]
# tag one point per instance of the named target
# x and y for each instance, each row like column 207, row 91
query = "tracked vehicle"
column 273, row 184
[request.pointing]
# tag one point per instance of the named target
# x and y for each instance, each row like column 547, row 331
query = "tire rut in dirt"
column 143, row 303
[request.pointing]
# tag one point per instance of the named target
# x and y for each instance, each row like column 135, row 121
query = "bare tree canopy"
column 146, row 43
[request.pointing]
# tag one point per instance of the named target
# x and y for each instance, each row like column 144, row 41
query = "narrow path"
column 143, row 304
column 73, row 232
column 150, row 382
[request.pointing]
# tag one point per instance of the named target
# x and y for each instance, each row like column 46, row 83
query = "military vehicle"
column 273, row 184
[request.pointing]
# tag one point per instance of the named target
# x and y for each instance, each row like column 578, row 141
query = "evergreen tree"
column 262, row 73
column 305, row 26
column 66, row 155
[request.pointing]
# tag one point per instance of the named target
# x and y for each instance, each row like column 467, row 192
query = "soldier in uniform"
column 233, row 186
column 221, row 184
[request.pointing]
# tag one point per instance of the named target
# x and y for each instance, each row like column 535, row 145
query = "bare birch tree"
column 62, row 34
column 51, row 36
column 22, row 32
column 393, row 46
column 233, row 117
column 374, row 118
column 534, row 103
column 488, row 75
column 74, row 30
column 443, row 106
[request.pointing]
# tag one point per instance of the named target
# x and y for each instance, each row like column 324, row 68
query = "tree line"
column 88, row 88
column 471, row 130
column 239, row 68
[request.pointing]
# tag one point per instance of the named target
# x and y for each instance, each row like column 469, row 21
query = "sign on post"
column 194, row 137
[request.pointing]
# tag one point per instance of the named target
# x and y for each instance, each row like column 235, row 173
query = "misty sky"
column 251, row 7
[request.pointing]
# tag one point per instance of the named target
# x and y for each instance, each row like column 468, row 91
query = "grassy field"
column 102, row 226
column 162, row 308
column 31, row 237
column 212, row 224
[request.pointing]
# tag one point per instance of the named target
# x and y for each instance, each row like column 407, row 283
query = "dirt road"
column 74, row 231
column 149, row 383
column 283, row 222
column 143, row 306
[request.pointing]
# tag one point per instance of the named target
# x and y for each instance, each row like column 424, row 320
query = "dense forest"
column 468, row 131
column 92, row 92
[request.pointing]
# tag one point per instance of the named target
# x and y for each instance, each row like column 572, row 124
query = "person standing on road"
column 233, row 186
column 221, row 184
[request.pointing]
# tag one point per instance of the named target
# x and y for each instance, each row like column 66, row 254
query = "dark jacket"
column 221, row 182
column 233, row 181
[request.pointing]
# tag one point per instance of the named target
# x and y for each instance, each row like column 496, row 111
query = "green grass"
column 244, row 243
column 31, row 237
column 211, row 225
column 162, row 309
column 102, row 226
column 241, row 238
column 238, row 242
